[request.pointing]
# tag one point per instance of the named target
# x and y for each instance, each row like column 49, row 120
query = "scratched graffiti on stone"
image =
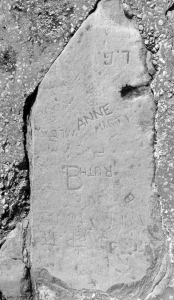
column 92, row 158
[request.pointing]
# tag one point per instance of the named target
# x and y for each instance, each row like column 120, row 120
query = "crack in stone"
column 26, row 283
column 29, row 102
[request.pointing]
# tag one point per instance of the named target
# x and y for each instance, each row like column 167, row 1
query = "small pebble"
column 141, row 27
column 169, row 95
column 154, row 62
column 1, row 185
column 5, row 206
column 160, row 22
column 3, row 201
column 162, row 60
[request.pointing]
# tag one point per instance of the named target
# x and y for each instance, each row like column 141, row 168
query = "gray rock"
column 11, row 264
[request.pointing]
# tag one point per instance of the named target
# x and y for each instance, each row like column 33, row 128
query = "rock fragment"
column 11, row 264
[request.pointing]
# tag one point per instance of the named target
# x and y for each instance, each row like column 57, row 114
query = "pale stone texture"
column 11, row 264
column 92, row 159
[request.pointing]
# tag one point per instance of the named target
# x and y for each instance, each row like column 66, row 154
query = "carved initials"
column 108, row 58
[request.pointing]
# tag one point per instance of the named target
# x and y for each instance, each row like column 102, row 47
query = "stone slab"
column 92, row 158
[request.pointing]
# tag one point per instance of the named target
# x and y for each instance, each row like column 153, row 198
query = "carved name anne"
column 92, row 158
column 93, row 115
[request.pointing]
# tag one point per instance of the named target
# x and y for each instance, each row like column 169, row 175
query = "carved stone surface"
column 92, row 158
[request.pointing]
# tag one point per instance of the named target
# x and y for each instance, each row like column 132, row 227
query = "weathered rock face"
column 11, row 264
column 93, row 219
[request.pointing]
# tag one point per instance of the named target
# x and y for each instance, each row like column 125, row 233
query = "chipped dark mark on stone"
column 129, row 92
column 170, row 9
column 88, row 27
column 127, row 11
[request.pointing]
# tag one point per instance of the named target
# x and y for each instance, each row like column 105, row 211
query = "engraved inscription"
column 94, row 115
column 127, row 54
column 111, row 122
column 129, row 198
column 57, row 134
column 53, row 141
column 73, row 178
column 75, row 174
column 91, row 177
column 100, row 153
column 109, row 57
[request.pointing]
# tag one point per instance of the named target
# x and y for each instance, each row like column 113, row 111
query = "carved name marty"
column 94, row 115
